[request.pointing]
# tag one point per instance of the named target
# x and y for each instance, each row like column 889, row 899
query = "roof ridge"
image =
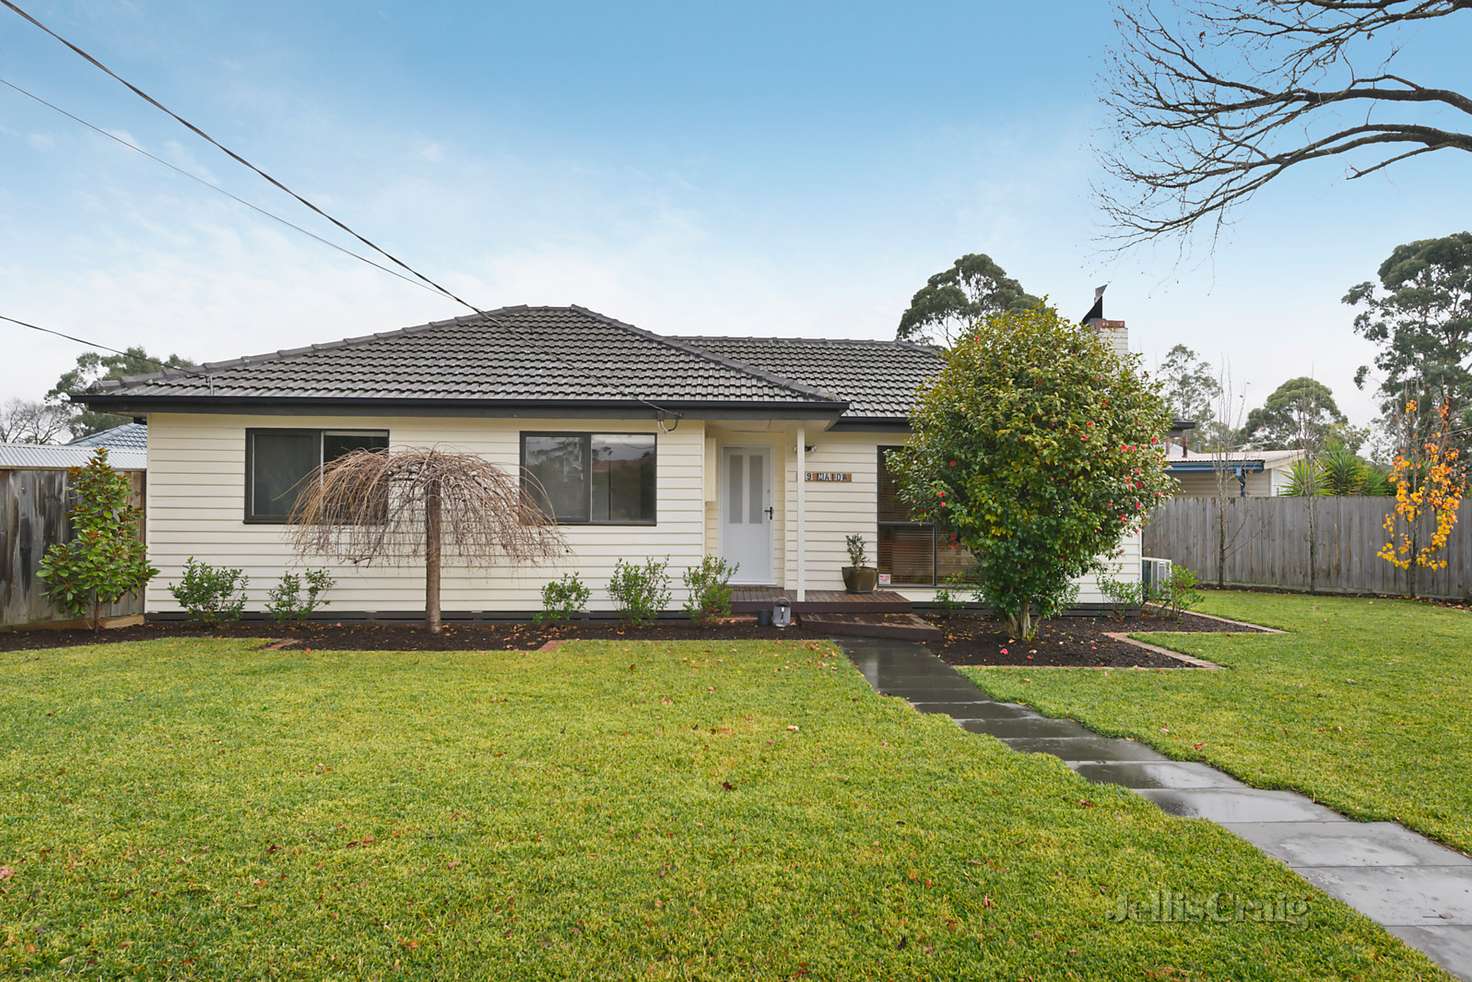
column 711, row 356
column 102, row 385
column 885, row 342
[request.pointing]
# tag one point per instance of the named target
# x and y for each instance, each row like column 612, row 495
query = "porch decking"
column 750, row 599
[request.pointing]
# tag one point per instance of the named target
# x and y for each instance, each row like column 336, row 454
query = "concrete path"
column 1415, row 888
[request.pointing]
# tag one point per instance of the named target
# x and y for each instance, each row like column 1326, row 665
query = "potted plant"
column 859, row 576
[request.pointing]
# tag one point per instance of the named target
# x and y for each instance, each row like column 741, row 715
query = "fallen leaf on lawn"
column 6, row 872
column 792, row 727
column 727, row 785
column 1197, row 746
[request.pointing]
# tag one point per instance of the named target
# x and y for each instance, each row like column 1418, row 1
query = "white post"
column 802, row 514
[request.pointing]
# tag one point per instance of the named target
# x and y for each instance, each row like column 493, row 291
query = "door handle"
column 770, row 513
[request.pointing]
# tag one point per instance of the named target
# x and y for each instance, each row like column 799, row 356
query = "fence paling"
column 33, row 507
column 1268, row 545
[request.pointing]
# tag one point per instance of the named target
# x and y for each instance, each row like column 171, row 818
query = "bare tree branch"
column 410, row 505
column 1194, row 140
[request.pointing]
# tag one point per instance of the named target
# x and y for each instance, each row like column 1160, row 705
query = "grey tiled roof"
column 878, row 379
column 131, row 436
column 520, row 355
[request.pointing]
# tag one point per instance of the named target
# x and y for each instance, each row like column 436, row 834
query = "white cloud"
column 431, row 151
column 41, row 141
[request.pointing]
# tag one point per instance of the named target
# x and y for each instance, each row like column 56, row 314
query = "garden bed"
column 411, row 636
column 1070, row 642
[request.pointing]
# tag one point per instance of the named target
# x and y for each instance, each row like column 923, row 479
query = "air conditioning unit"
column 1154, row 573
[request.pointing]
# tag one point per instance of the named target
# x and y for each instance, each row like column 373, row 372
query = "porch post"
column 802, row 514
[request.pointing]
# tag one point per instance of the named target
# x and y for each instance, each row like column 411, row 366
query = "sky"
column 755, row 168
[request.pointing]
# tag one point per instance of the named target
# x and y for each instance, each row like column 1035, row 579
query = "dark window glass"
column 557, row 475
column 623, row 478
column 913, row 553
column 279, row 462
column 591, row 477
column 337, row 444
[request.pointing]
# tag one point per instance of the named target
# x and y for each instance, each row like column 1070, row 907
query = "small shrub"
column 210, row 595
column 858, row 553
column 710, row 589
column 949, row 597
column 640, row 592
column 287, row 602
column 563, row 599
column 1179, row 594
column 1123, row 595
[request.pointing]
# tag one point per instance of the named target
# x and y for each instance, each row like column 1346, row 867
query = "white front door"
column 746, row 512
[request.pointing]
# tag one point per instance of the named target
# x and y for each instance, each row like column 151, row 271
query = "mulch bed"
column 1062, row 642
column 1067, row 642
column 385, row 636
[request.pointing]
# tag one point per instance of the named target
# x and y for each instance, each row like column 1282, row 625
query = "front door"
column 746, row 512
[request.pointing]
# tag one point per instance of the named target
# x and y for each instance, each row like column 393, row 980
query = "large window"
column 912, row 553
column 278, row 461
column 591, row 478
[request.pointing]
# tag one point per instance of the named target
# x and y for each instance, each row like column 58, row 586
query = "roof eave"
column 124, row 403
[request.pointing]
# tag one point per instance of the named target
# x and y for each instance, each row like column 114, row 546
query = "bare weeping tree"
column 403, row 506
column 1213, row 99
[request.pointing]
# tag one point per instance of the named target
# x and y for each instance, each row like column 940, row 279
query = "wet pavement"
column 1418, row 890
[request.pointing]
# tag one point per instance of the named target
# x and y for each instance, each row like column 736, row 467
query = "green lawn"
column 1366, row 705
column 607, row 809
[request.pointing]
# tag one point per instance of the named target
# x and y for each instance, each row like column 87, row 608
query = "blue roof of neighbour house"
column 128, row 436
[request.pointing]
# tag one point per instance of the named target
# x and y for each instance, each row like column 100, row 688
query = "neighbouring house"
column 765, row 451
column 127, row 450
column 1243, row 473
column 33, row 513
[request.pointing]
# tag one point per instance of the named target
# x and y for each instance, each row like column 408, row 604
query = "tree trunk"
column 1020, row 623
column 432, row 559
column 1221, row 542
column 96, row 613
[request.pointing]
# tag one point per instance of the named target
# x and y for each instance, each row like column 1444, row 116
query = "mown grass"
column 193, row 808
column 1366, row 704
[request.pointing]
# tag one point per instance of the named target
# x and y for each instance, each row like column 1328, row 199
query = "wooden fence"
column 1268, row 545
column 33, row 507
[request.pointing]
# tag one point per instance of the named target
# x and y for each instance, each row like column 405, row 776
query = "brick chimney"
column 1114, row 332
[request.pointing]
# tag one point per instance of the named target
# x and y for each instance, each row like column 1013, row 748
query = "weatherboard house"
column 765, row 451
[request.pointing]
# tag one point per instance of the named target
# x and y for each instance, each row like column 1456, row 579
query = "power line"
column 214, row 187
column 94, row 344
column 96, row 63
column 235, row 156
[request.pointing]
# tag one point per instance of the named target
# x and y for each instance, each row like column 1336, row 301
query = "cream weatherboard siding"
column 1264, row 483
column 836, row 510
column 196, row 500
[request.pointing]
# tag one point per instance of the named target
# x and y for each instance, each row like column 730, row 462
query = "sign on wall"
column 830, row 477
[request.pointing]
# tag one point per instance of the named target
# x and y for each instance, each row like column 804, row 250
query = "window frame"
column 320, row 433
column 587, row 437
column 881, row 524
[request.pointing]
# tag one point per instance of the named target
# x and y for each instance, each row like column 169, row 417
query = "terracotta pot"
column 860, row 579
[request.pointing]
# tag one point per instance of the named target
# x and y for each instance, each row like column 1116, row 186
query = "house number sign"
column 831, row 477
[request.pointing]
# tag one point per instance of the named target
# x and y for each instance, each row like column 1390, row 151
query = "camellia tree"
column 1039, row 448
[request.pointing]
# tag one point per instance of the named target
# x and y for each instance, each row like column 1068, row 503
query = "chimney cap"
column 1096, row 312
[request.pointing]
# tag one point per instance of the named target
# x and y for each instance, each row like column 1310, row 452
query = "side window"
column 591, row 478
column 277, row 461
